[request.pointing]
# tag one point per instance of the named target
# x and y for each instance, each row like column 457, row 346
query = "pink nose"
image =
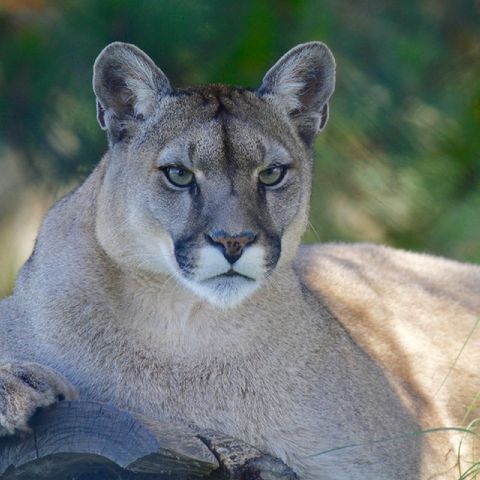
column 232, row 245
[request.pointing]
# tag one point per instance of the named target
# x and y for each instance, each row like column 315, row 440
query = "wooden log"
column 89, row 440
column 240, row 461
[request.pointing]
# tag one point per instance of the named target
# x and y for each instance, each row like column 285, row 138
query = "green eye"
column 272, row 176
column 179, row 176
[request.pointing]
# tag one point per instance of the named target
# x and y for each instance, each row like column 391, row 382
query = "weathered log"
column 94, row 441
column 89, row 440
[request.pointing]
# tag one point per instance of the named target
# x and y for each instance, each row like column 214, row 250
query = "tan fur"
column 334, row 346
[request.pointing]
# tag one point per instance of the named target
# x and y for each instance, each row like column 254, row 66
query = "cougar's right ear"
column 127, row 84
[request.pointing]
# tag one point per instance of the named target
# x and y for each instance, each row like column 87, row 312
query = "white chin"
column 224, row 292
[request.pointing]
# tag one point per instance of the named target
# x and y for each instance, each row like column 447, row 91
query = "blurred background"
column 398, row 164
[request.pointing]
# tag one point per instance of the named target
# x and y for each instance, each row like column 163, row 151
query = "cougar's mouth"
column 221, row 283
column 232, row 273
column 229, row 278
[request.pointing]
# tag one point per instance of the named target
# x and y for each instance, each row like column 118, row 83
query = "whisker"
column 314, row 230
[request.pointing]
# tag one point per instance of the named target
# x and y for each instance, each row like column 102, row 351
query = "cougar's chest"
column 237, row 398
column 220, row 370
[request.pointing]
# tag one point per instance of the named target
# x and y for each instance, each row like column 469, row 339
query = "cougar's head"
column 208, row 184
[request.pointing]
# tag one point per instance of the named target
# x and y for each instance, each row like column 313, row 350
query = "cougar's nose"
column 232, row 245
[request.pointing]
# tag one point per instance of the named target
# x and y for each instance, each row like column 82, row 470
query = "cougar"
column 172, row 283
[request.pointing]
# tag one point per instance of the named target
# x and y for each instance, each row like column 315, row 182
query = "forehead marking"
column 191, row 151
column 228, row 156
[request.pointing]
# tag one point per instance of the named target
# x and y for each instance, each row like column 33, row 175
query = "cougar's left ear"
column 303, row 80
column 127, row 84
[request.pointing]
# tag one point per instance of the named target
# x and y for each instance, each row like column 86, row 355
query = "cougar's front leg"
column 24, row 387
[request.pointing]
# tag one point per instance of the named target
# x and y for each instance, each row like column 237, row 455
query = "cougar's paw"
column 24, row 387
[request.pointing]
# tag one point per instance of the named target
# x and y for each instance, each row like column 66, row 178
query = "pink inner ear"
column 101, row 115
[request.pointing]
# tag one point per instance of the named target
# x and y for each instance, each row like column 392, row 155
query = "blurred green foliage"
column 400, row 160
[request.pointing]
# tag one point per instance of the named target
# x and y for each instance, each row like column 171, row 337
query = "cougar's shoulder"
column 56, row 261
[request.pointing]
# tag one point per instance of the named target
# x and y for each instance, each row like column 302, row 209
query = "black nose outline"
column 232, row 245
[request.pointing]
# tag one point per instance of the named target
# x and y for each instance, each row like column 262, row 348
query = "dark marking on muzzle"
column 183, row 248
column 275, row 251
